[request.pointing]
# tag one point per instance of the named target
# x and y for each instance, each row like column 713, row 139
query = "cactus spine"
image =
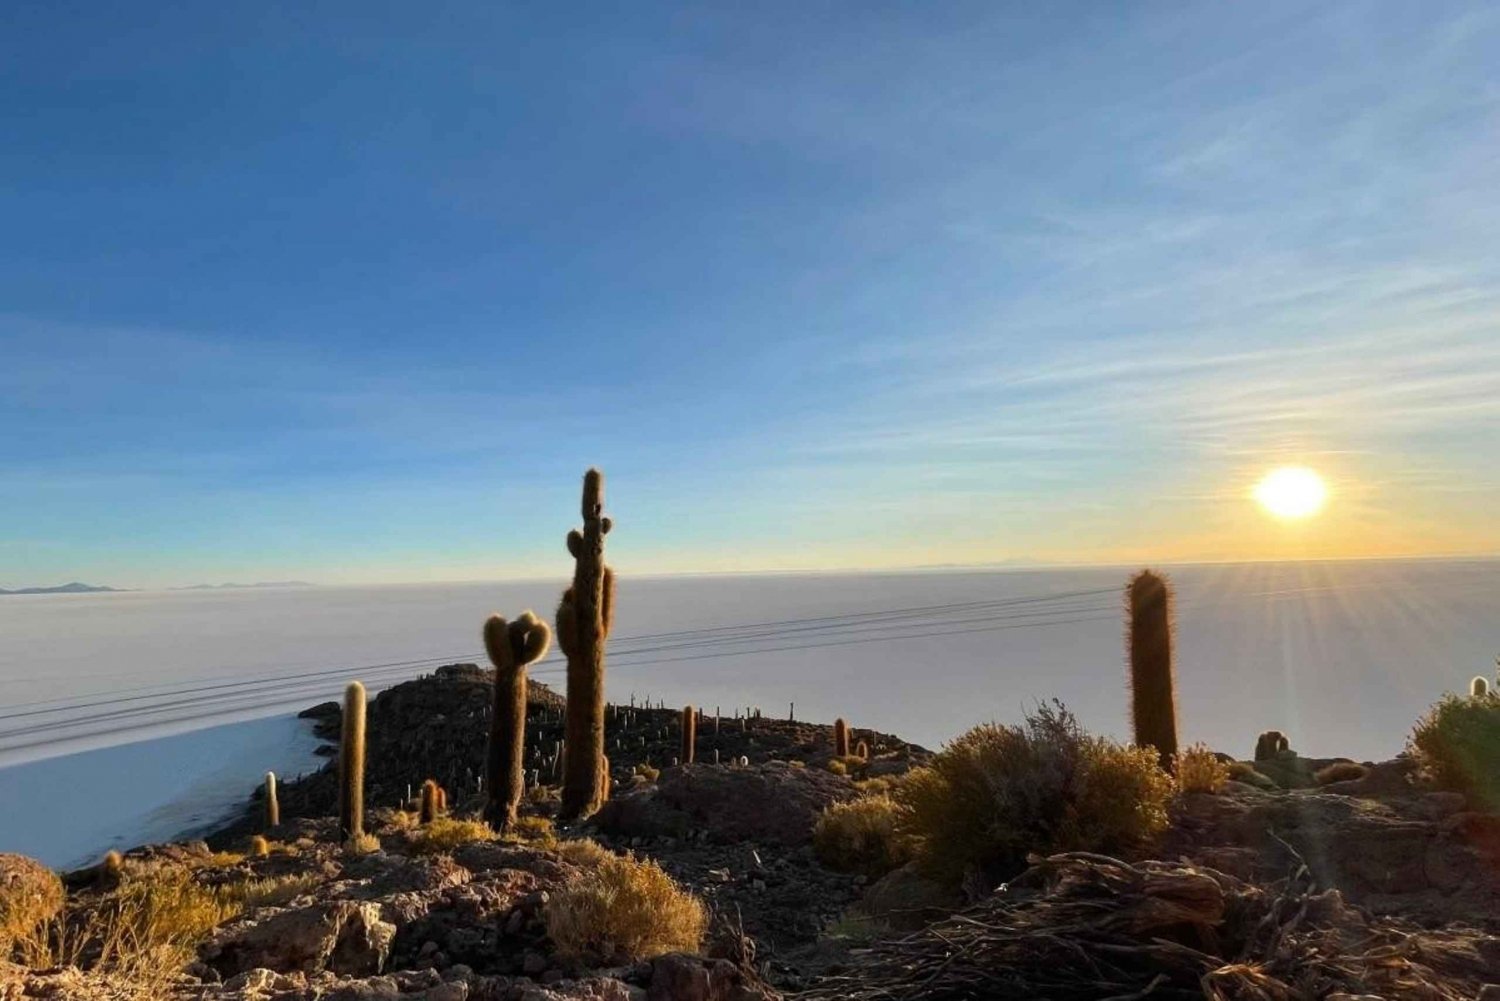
column 689, row 734
column 1153, row 700
column 840, row 738
column 584, row 618
column 512, row 647
column 352, row 763
column 1479, row 687
column 273, row 806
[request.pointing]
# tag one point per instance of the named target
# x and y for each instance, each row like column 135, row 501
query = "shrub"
column 837, row 767
column 361, row 844
column 999, row 792
column 623, row 910
column 861, row 836
column 533, row 829
column 1242, row 771
column 447, row 833
column 1198, row 769
column 1340, row 771
column 1457, row 743
column 647, row 772
column 584, row 852
column 30, row 896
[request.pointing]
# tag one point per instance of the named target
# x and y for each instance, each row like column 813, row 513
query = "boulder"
column 679, row 977
column 906, row 900
column 772, row 803
column 344, row 936
column 30, row 895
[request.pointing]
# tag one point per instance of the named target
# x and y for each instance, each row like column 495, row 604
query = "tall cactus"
column 428, row 811
column 1153, row 707
column 512, row 647
column 689, row 734
column 840, row 738
column 273, row 805
column 352, row 763
column 584, row 618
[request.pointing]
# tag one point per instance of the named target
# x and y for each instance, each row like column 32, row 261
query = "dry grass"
column 362, row 844
column 998, row 793
column 29, row 898
column 1340, row 771
column 584, row 852
column 447, row 833
column 623, row 910
column 837, row 767
column 861, row 836
column 1198, row 769
column 537, row 830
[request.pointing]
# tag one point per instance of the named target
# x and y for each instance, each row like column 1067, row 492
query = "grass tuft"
column 622, row 910
column 1198, row 769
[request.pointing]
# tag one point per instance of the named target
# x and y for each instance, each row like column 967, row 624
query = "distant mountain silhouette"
column 72, row 587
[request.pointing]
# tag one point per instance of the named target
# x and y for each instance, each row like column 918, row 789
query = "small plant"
column 837, row 767
column 840, row 738
column 861, row 836
column 689, row 734
column 537, row 829
column 352, row 764
column 447, row 833
column 1198, row 769
column 1340, row 771
column 1457, row 744
column 647, row 772
column 259, row 846
column 361, row 844
column 998, row 793
column 30, row 896
column 623, row 910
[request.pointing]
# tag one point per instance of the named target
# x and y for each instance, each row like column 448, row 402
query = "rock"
column 344, row 936
column 906, row 900
column 679, row 977
column 252, row 981
column 533, row 963
column 453, row 991
column 772, row 803
column 1489, row 992
column 30, row 895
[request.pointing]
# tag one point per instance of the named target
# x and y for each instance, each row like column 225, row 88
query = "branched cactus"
column 273, row 805
column 1270, row 744
column 512, row 647
column 352, row 763
column 1153, row 701
column 584, row 618
column 840, row 738
column 1479, row 687
column 689, row 734
column 429, row 809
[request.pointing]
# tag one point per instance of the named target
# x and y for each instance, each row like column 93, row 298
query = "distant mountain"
column 264, row 583
column 73, row 587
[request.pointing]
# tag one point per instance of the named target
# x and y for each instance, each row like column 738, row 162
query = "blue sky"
column 354, row 292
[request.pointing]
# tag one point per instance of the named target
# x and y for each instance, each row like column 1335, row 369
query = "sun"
column 1291, row 492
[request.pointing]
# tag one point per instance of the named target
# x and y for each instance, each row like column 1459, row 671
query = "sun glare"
column 1291, row 492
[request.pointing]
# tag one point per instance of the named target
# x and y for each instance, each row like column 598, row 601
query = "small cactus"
column 428, row 812
column 1153, row 701
column 352, row 764
column 1479, row 687
column 840, row 738
column 584, row 619
column 259, row 846
column 689, row 734
column 862, row 751
column 273, row 806
column 512, row 647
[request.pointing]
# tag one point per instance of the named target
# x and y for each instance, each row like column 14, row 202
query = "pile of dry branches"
column 1082, row 926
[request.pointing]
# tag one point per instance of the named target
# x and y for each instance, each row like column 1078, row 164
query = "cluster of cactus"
column 512, row 647
column 352, row 764
column 840, row 738
column 1270, row 744
column 584, row 618
column 1153, row 699
column 689, row 734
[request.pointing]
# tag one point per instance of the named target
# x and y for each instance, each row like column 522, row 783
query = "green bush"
column 861, row 836
column 998, row 793
column 1457, row 743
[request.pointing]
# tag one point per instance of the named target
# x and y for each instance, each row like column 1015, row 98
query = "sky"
column 353, row 292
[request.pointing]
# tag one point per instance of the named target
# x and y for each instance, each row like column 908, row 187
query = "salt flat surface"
column 1341, row 656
